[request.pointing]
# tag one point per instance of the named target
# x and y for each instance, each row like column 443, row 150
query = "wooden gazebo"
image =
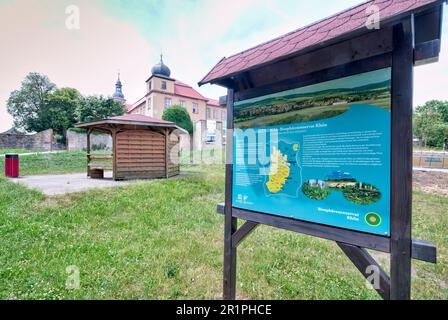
column 142, row 148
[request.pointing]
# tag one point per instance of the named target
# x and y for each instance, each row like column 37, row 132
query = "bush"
column 180, row 116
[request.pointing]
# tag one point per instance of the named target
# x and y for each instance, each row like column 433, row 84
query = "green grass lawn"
column 51, row 163
column 5, row 151
column 163, row 240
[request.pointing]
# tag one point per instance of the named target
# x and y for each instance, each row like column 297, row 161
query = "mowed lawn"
column 50, row 163
column 163, row 240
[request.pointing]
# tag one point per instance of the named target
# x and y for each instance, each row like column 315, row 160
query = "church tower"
column 118, row 95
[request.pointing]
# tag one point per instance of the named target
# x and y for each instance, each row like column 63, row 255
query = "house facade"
column 163, row 91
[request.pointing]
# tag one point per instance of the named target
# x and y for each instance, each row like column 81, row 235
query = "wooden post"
column 89, row 131
column 230, row 223
column 401, row 166
column 362, row 260
column 113, row 132
column 166, row 152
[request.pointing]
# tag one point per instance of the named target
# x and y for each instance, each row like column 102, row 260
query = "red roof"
column 128, row 107
column 213, row 102
column 139, row 118
column 184, row 90
column 136, row 105
column 328, row 29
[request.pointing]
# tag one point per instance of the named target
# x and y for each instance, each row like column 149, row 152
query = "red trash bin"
column 12, row 165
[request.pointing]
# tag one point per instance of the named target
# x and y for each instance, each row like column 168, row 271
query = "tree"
column 180, row 116
column 94, row 108
column 431, row 123
column 27, row 105
column 60, row 109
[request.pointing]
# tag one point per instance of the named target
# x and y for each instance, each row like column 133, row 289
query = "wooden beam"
column 401, row 165
column 421, row 250
column 362, row 261
column 230, row 222
column 424, row 251
column 113, row 131
column 167, row 151
column 427, row 52
column 353, row 68
column 358, row 48
column 223, row 101
column 428, row 25
column 89, row 132
column 247, row 228
column 369, row 241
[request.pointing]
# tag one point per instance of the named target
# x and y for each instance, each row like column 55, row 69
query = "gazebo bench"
column 96, row 171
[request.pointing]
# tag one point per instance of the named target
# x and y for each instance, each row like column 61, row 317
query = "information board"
column 319, row 153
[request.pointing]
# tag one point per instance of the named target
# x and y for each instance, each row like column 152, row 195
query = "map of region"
column 278, row 171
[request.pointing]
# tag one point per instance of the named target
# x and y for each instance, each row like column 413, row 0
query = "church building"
column 163, row 91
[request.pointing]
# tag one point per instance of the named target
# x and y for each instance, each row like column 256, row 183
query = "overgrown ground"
column 163, row 240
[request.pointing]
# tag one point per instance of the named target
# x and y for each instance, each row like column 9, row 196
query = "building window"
column 211, row 138
column 215, row 114
column 208, row 114
column 149, row 85
column 182, row 103
column 211, row 131
column 223, row 116
column 195, row 108
column 163, row 85
column 168, row 102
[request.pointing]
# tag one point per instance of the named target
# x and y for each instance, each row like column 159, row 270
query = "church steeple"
column 161, row 69
column 118, row 95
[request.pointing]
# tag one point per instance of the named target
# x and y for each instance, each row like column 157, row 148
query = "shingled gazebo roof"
column 316, row 35
column 131, row 120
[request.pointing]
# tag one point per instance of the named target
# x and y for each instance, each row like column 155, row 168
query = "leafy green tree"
column 431, row 123
column 60, row 109
column 27, row 105
column 94, row 108
column 180, row 116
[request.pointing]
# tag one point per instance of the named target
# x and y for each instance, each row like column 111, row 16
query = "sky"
column 129, row 36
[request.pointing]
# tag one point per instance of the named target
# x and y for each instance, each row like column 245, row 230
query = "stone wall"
column 78, row 141
column 41, row 141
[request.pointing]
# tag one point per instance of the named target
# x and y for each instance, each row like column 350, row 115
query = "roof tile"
column 139, row 118
column 327, row 29
column 182, row 89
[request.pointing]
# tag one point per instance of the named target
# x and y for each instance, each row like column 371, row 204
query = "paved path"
column 67, row 183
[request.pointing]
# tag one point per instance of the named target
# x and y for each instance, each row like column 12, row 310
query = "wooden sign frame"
column 400, row 245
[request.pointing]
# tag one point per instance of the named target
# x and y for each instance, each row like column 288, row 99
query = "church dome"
column 118, row 95
column 161, row 69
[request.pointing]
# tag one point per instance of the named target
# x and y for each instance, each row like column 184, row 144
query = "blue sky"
column 129, row 35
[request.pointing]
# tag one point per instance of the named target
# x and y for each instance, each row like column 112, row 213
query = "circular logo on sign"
column 296, row 147
column 373, row 219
